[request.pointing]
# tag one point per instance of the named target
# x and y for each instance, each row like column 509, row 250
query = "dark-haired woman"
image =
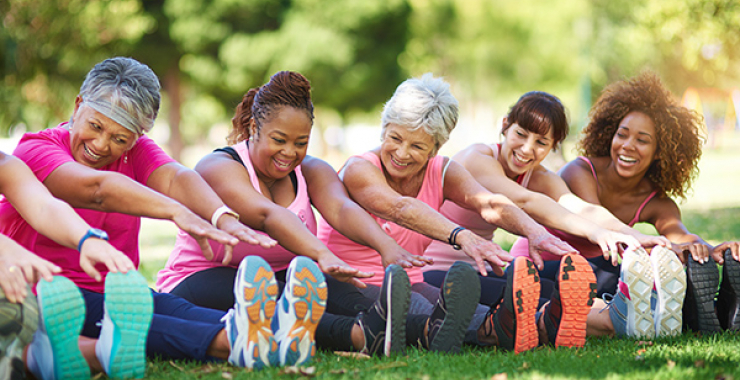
column 270, row 181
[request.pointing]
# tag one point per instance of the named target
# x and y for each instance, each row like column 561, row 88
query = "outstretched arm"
column 330, row 197
column 55, row 219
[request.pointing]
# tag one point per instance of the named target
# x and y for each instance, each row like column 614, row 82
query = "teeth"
column 627, row 159
column 281, row 164
column 520, row 159
column 91, row 154
column 398, row 163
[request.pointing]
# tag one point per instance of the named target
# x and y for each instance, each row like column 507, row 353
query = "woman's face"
column 405, row 153
column 96, row 140
column 281, row 143
column 523, row 150
column 634, row 145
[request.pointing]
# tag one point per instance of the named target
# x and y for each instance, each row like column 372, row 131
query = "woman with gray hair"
column 102, row 164
column 403, row 183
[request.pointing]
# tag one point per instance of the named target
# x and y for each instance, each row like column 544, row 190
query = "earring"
column 125, row 158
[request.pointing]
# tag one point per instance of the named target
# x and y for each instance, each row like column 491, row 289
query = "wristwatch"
column 92, row 233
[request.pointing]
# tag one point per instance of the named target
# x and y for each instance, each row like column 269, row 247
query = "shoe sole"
column 18, row 322
column 732, row 275
column 639, row 280
column 63, row 311
column 398, row 300
column 305, row 296
column 705, row 284
column 461, row 289
column 670, row 282
column 526, row 293
column 257, row 291
column 129, row 304
column 577, row 284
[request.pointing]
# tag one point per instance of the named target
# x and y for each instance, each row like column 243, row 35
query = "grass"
column 712, row 213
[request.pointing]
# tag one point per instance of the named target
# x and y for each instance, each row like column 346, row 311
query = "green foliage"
column 49, row 46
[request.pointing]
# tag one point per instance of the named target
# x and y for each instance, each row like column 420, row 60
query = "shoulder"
column 314, row 165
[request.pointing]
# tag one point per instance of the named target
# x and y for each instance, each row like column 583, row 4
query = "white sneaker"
column 248, row 322
column 670, row 282
column 630, row 309
column 121, row 347
column 54, row 353
column 299, row 311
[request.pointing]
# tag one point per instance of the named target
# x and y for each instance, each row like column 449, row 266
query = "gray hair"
column 424, row 102
column 124, row 90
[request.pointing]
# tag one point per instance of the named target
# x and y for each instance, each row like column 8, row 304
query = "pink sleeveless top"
column 442, row 253
column 187, row 257
column 367, row 259
column 582, row 245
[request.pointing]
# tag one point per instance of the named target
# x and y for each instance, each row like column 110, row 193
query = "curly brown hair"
column 285, row 88
column 678, row 130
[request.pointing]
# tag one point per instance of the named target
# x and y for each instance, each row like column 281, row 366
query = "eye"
column 417, row 147
column 542, row 142
column 301, row 144
column 95, row 126
column 521, row 134
column 277, row 140
column 643, row 141
column 394, row 138
column 120, row 141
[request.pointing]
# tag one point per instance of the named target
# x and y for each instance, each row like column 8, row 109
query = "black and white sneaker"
column 455, row 306
column 728, row 301
column 384, row 324
column 698, row 308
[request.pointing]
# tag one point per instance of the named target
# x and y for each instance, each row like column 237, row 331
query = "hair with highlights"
column 259, row 105
column 539, row 112
column 677, row 130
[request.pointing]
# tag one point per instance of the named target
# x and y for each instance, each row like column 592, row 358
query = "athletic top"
column 44, row 152
column 187, row 257
column 442, row 253
column 365, row 258
column 582, row 245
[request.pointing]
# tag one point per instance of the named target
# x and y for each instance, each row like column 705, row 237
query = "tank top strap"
column 636, row 218
column 591, row 165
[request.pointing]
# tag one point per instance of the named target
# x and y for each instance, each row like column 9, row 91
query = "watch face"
column 98, row 233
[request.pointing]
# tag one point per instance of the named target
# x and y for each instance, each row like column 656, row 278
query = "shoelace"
column 608, row 302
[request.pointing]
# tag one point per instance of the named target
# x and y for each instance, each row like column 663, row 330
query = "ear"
column 78, row 103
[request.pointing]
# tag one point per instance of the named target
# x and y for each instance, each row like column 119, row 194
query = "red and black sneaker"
column 566, row 313
column 513, row 316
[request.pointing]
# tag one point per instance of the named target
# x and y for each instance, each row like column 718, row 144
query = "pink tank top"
column 442, row 253
column 582, row 245
column 187, row 257
column 367, row 259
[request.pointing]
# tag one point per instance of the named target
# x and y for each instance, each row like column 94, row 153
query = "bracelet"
column 453, row 237
column 92, row 233
column 220, row 211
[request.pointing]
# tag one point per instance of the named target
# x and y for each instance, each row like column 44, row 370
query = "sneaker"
column 566, row 313
column 512, row 317
column 455, row 306
column 728, row 302
column 18, row 322
column 299, row 311
column 670, row 286
column 702, row 284
column 248, row 322
column 384, row 324
column 630, row 310
column 54, row 353
column 128, row 310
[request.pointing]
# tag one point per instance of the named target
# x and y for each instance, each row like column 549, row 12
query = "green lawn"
column 711, row 213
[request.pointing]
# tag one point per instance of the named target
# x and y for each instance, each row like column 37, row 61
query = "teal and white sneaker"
column 670, row 285
column 54, row 353
column 299, row 311
column 630, row 308
column 248, row 322
column 18, row 322
column 121, row 347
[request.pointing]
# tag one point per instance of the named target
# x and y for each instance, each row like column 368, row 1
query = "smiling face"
column 281, row 143
column 405, row 153
column 522, row 150
column 634, row 145
column 96, row 140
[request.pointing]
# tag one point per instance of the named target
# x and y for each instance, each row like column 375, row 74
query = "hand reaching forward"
column 482, row 251
column 19, row 267
column 335, row 267
column 546, row 242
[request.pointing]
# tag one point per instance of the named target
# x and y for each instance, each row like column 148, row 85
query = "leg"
column 211, row 288
column 607, row 275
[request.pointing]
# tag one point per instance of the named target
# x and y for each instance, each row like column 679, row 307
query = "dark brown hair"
column 538, row 112
column 677, row 130
column 285, row 88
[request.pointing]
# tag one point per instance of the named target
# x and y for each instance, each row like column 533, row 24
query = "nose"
column 402, row 151
column 100, row 143
column 528, row 146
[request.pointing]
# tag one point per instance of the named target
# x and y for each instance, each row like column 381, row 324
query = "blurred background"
column 207, row 54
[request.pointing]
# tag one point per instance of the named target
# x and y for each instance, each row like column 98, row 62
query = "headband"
column 119, row 115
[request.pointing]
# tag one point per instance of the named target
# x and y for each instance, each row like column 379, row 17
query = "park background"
column 207, row 54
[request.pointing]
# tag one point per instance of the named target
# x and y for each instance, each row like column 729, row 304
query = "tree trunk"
column 172, row 88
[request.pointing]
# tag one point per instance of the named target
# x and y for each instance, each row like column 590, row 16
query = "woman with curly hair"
column 640, row 150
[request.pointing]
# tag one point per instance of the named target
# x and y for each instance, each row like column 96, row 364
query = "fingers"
column 14, row 284
column 481, row 266
column 228, row 254
column 204, row 246
column 537, row 259
column 499, row 271
column 89, row 268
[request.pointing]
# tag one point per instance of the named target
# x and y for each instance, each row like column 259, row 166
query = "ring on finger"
column 12, row 268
